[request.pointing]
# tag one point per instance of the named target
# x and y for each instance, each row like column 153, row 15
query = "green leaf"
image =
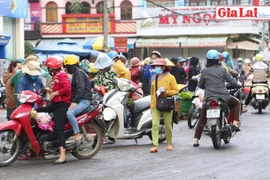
column 76, row 7
column 186, row 95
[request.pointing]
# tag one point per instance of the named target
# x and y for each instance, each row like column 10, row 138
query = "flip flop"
column 108, row 142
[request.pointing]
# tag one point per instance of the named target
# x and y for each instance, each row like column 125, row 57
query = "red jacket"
column 61, row 83
column 135, row 74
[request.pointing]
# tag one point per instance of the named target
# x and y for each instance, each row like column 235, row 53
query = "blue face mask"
column 158, row 70
column 34, row 77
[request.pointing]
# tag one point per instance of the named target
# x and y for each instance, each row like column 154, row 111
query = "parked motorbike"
column 22, row 131
column 128, row 122
column 219, row 124
column 2, row 95
column 260, row 96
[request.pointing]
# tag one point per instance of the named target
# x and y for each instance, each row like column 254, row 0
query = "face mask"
column 71, row 69
column 50, row 71
column 34, row 77
column 158, row 70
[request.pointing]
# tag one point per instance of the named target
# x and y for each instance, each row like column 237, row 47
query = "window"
column 126, row 10
column 197, row 2
column 166, row 3
column 86, row 8
column 100, row 7
column 67, row 8
column 51, row 12
column 218, row 2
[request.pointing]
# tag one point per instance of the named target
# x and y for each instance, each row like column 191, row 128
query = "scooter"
column 128, row 122
column 260, row 94
column 23, row 132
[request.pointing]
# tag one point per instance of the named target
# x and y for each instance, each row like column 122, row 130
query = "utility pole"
column 263, row 33
column 105, row 26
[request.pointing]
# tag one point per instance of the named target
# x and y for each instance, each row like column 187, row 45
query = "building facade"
column 188, row 28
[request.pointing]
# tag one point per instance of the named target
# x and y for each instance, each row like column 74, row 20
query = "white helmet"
column 247, row 61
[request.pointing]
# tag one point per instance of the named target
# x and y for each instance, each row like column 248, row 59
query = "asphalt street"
column 246, row 157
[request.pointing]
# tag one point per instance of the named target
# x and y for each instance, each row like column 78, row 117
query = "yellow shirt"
column 121, row 70
column 169, row 82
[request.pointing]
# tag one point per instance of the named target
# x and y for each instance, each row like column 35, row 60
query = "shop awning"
column 253, row 39
column 131, row 42
column 49, row 42
column 172, row 42
column 245, row 45
column 196, row 42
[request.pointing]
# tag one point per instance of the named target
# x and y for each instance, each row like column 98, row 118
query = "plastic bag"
column 44, row 121
column 103, row 61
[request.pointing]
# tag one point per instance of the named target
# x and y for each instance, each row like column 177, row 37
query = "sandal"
column 22, row 157
column 108, row 142
column 153, row 149
column 169, row 148
column 78, row 143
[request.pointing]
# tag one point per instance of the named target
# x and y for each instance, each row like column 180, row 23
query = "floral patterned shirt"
column 102, row 81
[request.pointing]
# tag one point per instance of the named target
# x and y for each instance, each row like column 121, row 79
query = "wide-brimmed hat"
column 160, row 62
column 32, row 68
column 181, row 59
column 135, row 61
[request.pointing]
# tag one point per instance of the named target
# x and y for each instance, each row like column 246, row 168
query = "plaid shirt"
column 102, row 81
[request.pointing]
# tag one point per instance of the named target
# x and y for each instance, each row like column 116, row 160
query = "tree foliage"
column 76, row 7
column 28, row 47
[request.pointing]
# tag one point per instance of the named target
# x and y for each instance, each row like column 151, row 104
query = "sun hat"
column 181, row 59
column 32, row 68
column 156, row 53
column 174, row 59
column 135, row 62
column 169, row 63
column 160, row 62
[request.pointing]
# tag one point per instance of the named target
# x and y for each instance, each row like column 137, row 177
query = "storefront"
column 195, row 32
column 12, row 25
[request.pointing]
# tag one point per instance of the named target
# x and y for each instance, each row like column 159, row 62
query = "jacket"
column 179, row 73
column 260, row 71
column 81, row 87
column 169, row 82
column 61, row 83
column 121, row 70
column 10, row 99
column 213, row 81
column 149, row 72
column 26, row 83
column 102, row 81
column 145, row 81
column 135, row 74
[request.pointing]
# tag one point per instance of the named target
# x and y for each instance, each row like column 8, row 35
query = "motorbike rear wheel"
column 161, row 134
column 192, row 117
column 9, row 151
column 216, row 135
column 94, row 136
column 260, row 108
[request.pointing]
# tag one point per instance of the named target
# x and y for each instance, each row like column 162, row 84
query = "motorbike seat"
column 140, row 105
column 90, row 109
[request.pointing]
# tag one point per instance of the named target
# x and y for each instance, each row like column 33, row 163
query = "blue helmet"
column 226, row 55
column 113, row 54
column 212, row 54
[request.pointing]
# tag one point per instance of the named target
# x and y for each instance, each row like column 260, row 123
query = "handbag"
column 164, row 103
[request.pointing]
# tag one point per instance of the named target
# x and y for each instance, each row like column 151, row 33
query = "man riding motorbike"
column 260, row 72
column 213, row 79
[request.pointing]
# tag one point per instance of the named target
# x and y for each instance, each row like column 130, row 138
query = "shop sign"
column 14, row 8
column 84, row 24
column 120, row 44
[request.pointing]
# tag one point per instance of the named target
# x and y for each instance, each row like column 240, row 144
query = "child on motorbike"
column 213, row 79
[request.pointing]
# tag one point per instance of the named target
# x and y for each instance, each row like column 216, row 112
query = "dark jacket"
column 179, row 73
column 145, row 81
column 193, row 71
column 81, row 87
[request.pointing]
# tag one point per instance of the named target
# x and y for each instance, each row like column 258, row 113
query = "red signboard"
column 120, row 44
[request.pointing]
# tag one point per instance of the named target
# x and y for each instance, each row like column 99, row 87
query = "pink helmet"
column 135, row 61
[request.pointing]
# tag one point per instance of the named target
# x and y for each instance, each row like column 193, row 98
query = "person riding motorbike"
column 260, row 72
column 228, row 60
column 60, row 95
column 119, row 66
column 213, row 79
column 228, row 68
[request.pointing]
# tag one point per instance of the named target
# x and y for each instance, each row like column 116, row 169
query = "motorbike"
column 2, row 95
column 260, row 96
column 23, row 132
column 124, row 121
column 219, row 124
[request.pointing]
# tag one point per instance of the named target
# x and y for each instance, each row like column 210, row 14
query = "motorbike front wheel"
column 10, row 147
column 161, row 134
column 192, row 117
column 91, row 142
column 216, row 135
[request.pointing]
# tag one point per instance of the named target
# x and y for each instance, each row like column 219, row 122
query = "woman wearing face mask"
column 60, row 95
column 30, row 81
column 13, row 67
column 166, row 87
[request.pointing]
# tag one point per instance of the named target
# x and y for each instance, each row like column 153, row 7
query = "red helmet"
column 54, row 62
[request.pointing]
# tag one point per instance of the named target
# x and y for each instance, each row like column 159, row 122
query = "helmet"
column 226, row 55
column 259, row 57
column 247, row 61
column 212, row 54
column 54, row 62
column 103, row 61
column 71, row 60
column 240, row 59
column 84, row 65
column 113, row 54
column 156, row 53
column 135, row 61
column 92, row 69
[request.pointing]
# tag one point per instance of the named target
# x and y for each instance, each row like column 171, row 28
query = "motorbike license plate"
column 213, row 113
column 260, row 96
